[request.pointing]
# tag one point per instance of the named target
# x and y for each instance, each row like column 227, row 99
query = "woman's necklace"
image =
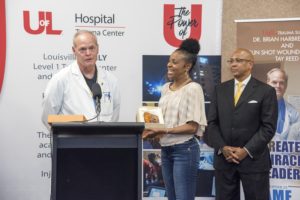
column 177, row 87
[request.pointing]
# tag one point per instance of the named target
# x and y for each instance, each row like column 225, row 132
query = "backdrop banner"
column 275, row 43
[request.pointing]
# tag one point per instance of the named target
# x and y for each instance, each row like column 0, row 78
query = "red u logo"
column 171, row 20
column 2, row 41
column 45, row 23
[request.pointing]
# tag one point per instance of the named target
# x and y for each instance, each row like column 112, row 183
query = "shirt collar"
column 245, row 82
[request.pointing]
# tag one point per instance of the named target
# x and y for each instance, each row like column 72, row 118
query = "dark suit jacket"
column 250, row 124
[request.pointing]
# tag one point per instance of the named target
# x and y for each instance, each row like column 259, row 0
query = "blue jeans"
column 180, row 164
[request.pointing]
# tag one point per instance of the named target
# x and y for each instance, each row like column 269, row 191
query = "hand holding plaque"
column 154, row 122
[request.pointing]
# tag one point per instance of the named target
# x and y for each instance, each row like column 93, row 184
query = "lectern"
column 95, row 161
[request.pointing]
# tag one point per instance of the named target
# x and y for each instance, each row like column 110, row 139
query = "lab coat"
column 67, row 93
column 291, row 117
column 295, row 132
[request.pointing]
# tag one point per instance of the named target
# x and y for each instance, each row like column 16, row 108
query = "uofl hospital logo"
column 2, row 41
column 45, row 24
column 178, row 21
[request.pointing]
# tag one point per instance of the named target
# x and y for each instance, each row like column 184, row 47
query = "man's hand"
column 240, row 153
column 234, row 154
column 228, row 152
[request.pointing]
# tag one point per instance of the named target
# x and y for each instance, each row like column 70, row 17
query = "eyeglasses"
column 237, row 60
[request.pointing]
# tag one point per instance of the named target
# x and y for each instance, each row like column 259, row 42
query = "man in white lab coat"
column 70, row 90
column 287, row 114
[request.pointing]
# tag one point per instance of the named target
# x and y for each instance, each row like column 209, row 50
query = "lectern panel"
column 96, row 141
column 95, row 161
column 93, row 174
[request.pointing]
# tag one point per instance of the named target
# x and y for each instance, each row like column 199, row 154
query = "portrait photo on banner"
column 275, row 44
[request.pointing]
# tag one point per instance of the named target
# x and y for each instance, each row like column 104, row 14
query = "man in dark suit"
column 241, row 122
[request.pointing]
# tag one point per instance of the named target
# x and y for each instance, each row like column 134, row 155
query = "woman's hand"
column 153, row 133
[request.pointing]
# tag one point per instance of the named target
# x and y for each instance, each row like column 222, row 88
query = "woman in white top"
column 182, row 104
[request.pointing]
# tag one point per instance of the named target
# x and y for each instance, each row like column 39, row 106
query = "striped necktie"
column 238, row 92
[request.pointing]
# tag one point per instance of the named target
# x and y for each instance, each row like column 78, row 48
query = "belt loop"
column 197, row 140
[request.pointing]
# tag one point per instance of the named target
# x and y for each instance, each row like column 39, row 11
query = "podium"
column 96, row 160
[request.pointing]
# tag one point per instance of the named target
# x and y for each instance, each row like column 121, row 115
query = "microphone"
column 97, row 95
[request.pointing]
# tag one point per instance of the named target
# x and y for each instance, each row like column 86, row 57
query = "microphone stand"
column 98, row 107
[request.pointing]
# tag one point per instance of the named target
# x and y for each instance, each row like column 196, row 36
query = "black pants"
column 256, row 186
